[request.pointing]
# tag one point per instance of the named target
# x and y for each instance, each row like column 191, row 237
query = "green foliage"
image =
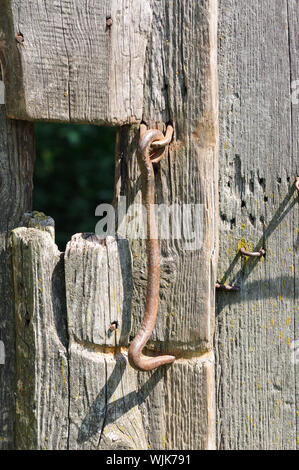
column 74, row 173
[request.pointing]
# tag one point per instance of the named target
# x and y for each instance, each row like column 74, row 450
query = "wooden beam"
column 104, row 411
column 16, row 168
column 180, row 86
column 64, row 61
column 110, row 405
column 257, row 406
column 293, row 35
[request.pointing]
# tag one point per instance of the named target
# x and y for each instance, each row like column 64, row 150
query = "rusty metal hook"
column 253, row 254
column 147, row 155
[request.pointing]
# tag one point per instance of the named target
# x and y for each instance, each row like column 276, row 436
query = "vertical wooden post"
column 163, row 60
column 16, row 167
column 42, row 385
column 104, row 411
column 156, row 61
column 257, row 382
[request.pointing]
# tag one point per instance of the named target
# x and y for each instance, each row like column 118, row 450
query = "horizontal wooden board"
column 63, row 62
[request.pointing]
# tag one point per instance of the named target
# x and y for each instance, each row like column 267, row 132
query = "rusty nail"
column 225, row 287
column 146, row 158
column 109, row 22
column 113, row 326
column 297, row 183
column 158, row 144
column 253, row 254
column 20, row 37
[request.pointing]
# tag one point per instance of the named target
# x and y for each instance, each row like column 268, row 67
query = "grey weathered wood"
column 104, row 411
column 293, row 30
column 257, row 392
column 186, row 175
column 108, row 409
column 158, row 409
column 256, row 380
column 104, row 402
column 42, row 370
column 98, row 289
column 190, row 410
column 179, row 410
column 16, row 167
column 71, row 66
column 181, row 86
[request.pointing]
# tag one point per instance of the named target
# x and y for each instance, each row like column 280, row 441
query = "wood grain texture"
column 98, row 289
column 111, row 405
column 104, row 412
column 179, row 411
column 42, row 382
column 16, row 168
column 180, row 86
column 104, row 397
column 293, row 35
column 71, row 66
column 183, row 56
column 256, row 381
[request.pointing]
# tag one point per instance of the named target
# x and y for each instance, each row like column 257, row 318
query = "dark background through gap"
column 74, row 173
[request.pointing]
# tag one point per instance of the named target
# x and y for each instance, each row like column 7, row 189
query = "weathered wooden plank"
column 179, row 411
column 111, row 405
column 256, row 379
column 16, row 168
column 42, row 382
column 190, row 417
column 69, row 64
column 181, row 87
column 98, row 289
column 186, row 175
column 293, row 31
